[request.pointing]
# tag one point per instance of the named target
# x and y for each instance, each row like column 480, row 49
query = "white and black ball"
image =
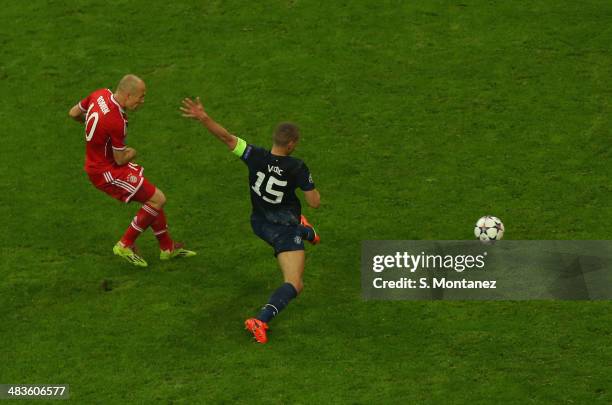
column 489, row 228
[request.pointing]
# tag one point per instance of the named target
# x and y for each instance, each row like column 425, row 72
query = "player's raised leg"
column 292, row 266
column 308, row 232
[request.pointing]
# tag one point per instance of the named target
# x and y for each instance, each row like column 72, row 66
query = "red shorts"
column 124, row 183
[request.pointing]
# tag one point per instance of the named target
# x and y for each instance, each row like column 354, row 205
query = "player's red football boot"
column 257, row 328
column 304, row 222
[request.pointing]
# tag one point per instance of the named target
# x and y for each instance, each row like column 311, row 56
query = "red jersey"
column 105, row 129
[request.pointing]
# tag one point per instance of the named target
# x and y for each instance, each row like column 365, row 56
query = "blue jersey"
column 272, row 181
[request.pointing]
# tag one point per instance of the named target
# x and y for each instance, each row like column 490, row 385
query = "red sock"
column 144, row 217
column 160, row 229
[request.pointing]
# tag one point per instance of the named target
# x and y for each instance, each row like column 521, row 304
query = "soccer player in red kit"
column 109, row 163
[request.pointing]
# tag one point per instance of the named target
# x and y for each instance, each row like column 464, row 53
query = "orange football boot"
column 304, row 222
column 257, row 328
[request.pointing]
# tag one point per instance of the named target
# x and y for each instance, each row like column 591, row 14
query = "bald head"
column 129, row 84
column 131, row 92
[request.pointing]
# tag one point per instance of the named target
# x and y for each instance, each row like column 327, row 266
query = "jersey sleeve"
column 118, row 131
column 304, row 178
column 245, row 152
column 83, row 104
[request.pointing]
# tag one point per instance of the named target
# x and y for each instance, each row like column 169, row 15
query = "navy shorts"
column 283, row 238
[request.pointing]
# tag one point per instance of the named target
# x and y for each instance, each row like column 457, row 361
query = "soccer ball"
column 489, row 228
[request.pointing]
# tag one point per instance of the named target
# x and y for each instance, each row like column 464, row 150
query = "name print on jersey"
column 103, row 105
column 275, row 169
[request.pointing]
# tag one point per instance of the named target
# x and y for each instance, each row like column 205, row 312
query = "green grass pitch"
column 417, row 118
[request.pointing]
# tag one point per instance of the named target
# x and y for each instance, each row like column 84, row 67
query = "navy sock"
column 307, row 232
column 277, row 302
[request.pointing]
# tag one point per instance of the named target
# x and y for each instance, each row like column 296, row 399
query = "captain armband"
column 240, row 147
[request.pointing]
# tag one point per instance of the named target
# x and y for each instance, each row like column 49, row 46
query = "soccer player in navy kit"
column 276, row 218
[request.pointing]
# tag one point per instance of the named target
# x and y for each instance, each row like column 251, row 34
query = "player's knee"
column 158, row 200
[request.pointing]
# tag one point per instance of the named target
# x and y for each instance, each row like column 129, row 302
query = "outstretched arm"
column 194, row 109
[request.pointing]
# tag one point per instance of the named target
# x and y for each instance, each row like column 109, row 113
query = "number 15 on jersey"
column 269, row 188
